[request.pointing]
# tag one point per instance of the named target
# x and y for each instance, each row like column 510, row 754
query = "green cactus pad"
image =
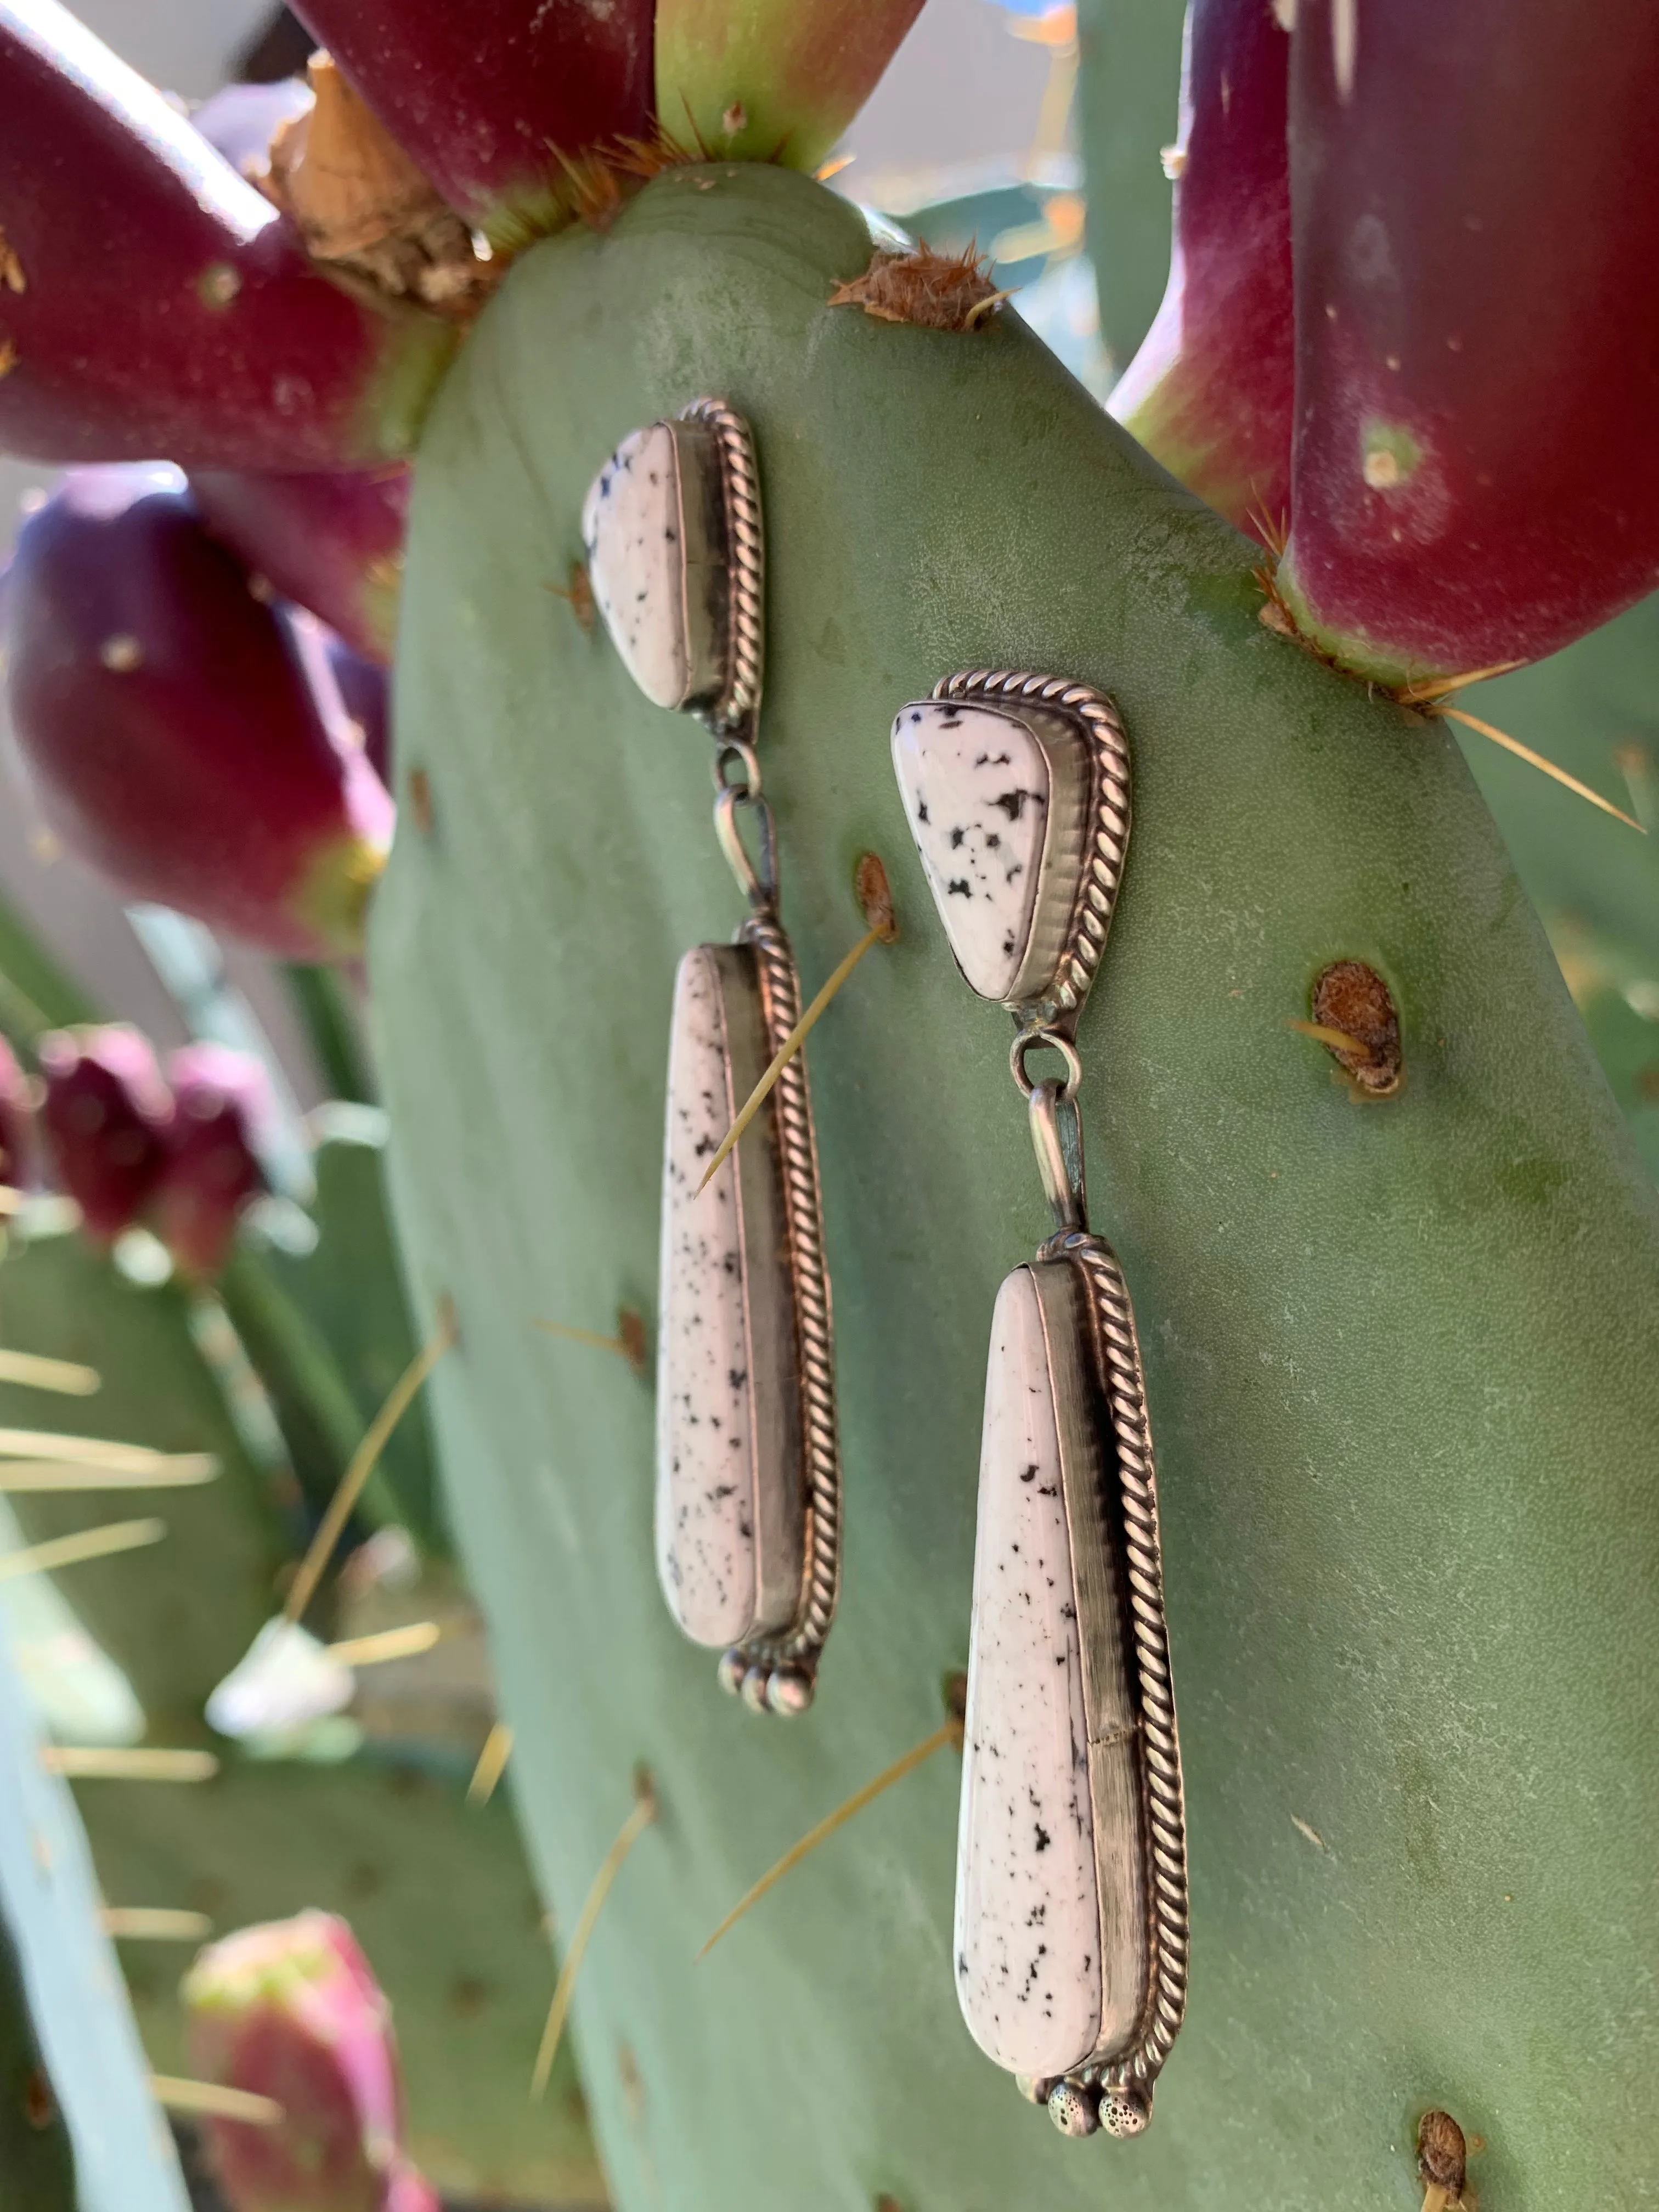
column 437, row 1892
column 1594, row 882
column 349, row 1289
column 176, row 1616
column 79, row 2129
column 1400, row 1355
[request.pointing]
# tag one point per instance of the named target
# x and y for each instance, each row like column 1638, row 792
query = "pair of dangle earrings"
column 1071, row 1906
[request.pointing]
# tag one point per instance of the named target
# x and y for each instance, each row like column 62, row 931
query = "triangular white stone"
column 995, row 800
column 649, row 562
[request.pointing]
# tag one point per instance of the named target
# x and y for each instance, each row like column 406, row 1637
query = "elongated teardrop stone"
column 1049, row 1968
column 995, row 800
column 705, row 1424
column 728, row 1424
column 651, row 524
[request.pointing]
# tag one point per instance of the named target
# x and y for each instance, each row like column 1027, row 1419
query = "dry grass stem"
column 215, row 2101
column 122, row 1763
column 364, row 1459
column 66, row 1376
column 949, row 1733
column 1537, row 760
column 19, row 1477
column 644, row 1812
column 492, row 1765
column 387, row 1644
column 86, row 1544
column 150, row 1924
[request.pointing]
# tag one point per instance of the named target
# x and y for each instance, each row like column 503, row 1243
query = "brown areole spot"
column 1355, row 1018
column 938, row 291
column 1441, row 2154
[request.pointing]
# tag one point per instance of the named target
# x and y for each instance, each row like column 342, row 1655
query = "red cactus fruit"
column 17, row 1143
column 152, row 301
column 240, row 120
column 773, row 80
column 333, row 543
column 221, row 1100
column 487, row 99
column 1211, row 391
column 107, row 1116
column 1476, row 197
column 291, row 2010
column 185, row 738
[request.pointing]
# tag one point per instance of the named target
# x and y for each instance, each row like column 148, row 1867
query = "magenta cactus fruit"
column 331, row 544
column 1476, row 199
column 488, row 98
column 185, row 738
column 152, row 301
column 107, row 1116
column 17, row 1139
column 1210, row 391
column 773, row 80
column 220, row 1099
column 291, row 2010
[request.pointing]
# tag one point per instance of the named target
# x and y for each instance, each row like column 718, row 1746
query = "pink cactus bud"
column 332, row 544
column 240, row 120
column 1211, row 391
column 152, row 301
column 487, row 98
column 221, row 1100
column 291, row 2010
column 185, row 738
column 773, row 80
column 1476, row 194
column 107, row 1116
column 17, row 1140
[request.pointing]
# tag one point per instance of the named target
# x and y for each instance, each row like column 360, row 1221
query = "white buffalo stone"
column 976, row 785
column 1028, row 1964
column 645, row 525
column 706, row 1503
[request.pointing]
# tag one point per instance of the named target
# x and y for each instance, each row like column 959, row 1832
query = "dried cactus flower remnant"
column 938, row 291
column 1352, row 1001
column 361, row 202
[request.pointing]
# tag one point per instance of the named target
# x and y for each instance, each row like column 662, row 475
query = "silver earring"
column 1071, row 1908
column 747, row 1496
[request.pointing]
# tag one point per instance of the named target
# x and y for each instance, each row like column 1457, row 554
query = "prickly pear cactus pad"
column 79, row 2131
column 1400, row 1354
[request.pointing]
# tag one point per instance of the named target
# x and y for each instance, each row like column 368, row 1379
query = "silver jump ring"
column 1053, row 1041
column 730, row 748
column 757, row 879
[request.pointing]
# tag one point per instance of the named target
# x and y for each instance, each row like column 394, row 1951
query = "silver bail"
column 1057, row 1140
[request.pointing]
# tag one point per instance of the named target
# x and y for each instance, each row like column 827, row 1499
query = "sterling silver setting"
column 1113, row 2001
column 706, row 658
